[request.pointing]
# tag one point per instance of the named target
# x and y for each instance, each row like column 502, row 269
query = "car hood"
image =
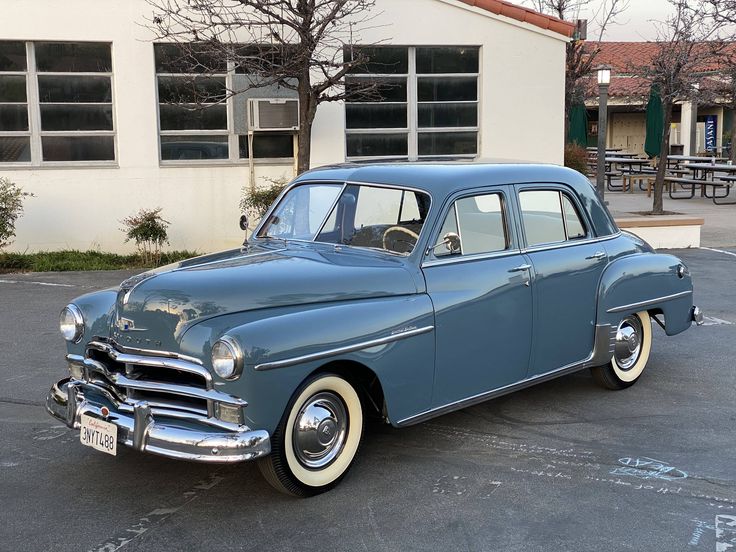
column 154, row 309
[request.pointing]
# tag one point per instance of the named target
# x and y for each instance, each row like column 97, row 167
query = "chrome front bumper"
column 153, row 430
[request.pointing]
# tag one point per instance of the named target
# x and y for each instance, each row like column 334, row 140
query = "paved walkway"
column 719, row 229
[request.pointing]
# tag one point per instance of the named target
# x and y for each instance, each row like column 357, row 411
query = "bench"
column 692, row 182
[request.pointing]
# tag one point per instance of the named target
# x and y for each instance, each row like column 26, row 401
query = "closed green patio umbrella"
column 577, row 130
column 655, row 123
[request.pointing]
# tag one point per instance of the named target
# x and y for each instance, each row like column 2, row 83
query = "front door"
column 480, row 287
column 568, row 263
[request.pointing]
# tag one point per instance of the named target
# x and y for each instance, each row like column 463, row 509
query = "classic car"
column 395, row 291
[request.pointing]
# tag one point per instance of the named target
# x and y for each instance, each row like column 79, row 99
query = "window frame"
column 33, row 103
column 413, row 130
column 233, row 138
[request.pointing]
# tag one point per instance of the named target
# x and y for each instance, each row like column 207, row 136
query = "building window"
column 56, row 103
column 413, row 103
column 201, row 119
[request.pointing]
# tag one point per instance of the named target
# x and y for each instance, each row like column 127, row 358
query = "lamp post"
column 604, row 79
column 694, row 120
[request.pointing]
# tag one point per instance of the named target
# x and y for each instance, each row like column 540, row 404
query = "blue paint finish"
column 283, row 300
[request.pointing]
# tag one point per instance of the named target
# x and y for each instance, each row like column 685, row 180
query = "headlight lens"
column 227, row 358
column 71, row 323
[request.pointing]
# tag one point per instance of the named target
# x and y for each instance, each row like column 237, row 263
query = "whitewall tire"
column 317, row 438
column 631, row 353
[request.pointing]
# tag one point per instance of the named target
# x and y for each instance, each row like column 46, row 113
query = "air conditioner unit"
column 273, row 114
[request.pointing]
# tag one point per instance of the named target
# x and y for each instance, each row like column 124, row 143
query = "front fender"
column 394, row 337
column 646, row 281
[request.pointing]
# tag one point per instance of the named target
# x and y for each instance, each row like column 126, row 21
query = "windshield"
column 390, row 219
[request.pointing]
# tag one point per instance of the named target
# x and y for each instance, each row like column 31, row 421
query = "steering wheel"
column 399, row 230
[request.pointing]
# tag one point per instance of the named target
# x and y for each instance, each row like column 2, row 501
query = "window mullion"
column 34, row 106
column 412, row 105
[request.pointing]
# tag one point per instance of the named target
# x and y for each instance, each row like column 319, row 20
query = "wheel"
column 317, row 439
column 631, row 353
column 397, row 243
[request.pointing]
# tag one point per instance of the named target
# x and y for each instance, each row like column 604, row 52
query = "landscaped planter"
column 664, row 231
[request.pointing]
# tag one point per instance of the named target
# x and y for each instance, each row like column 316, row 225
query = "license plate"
column 98, row 434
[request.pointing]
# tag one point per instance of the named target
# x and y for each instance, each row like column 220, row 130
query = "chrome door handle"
column 598, row 255
column 521, row 268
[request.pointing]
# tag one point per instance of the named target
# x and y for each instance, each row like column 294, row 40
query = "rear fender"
column 650, row 282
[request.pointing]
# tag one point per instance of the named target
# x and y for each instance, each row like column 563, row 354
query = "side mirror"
column 243, row 222
column 452, row 242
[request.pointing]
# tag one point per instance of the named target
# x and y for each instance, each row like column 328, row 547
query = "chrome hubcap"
column 319, row 430
column 629, row 337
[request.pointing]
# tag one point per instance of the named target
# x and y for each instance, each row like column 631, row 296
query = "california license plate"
column 98, row 434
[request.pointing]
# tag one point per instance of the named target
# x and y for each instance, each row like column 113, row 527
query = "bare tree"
column 581, row 55
column 689, row 45
column 301, row 45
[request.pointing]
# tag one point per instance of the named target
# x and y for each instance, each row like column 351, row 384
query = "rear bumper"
column 166, row 433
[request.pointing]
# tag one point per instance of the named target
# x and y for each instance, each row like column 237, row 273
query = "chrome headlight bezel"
column 232, row 347
column 76, row 319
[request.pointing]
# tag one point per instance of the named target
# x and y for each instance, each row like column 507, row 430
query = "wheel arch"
column 363, row 379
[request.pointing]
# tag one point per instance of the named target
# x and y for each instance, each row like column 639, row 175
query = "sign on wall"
column 711, row 122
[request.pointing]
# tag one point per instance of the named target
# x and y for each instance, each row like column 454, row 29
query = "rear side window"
column 479, row 222
column 549, row 216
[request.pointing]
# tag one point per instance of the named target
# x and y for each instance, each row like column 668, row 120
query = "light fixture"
column 604, row 76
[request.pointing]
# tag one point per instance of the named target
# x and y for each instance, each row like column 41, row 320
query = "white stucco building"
column 83, row 126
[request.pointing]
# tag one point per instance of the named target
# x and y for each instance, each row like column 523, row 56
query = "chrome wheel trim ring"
column 319, row 430
column 629, row 339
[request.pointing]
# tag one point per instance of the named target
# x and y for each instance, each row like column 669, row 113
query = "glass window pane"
column 447, row 60
column 377, row 145
column 15, row 149
column 380, row 60
column 78, row 148
column 187, row 58
column 542, row 216
column 194, row 147
column 440, row 89
column 74, row 88
column 482, row 228
column 268, row 145
column 193, row 117
column 12, row 88
column 194, row 89
column 447, row 115
column 12, row 56
column 375, row 116
column 301, row 212
column 73, row 57
column 76, row 117
column 370, row 89
column 448, row 143
column 13, row 117
column 575, row 228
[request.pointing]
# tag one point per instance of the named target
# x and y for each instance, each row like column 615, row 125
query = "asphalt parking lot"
column 565, row 465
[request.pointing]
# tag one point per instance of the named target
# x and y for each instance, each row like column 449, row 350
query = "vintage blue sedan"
column 395, row 291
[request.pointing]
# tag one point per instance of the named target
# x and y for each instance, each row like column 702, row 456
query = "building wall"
column 521, row 118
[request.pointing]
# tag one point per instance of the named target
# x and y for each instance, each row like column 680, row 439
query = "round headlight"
column 227, row 358
column 71, row 323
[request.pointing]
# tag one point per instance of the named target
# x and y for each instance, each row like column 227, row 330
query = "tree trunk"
column 658, row 203
column 732, row 153
column 307, row 110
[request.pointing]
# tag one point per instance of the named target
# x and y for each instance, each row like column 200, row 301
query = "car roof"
column 444, row 178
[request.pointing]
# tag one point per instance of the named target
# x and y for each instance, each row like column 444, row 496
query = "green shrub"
column 57, row 261
column 260, row 199
column 11, row 209
column 149, row 232
column 576, row 157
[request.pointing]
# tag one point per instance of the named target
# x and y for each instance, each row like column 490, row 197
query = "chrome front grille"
column 168, row 382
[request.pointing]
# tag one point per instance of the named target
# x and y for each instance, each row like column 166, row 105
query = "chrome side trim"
column 649, row 302
column 341, row 350
column 603, row 346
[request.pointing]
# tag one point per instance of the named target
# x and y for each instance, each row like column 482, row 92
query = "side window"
column 549, row 216
column 479, row 222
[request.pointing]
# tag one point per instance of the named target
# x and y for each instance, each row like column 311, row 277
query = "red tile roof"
column 502, row 7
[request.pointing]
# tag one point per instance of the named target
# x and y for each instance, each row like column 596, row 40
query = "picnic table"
column 700, row 178
column 679, row 159
column 630, row 168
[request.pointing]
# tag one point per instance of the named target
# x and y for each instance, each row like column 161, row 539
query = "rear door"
column 568, row 262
